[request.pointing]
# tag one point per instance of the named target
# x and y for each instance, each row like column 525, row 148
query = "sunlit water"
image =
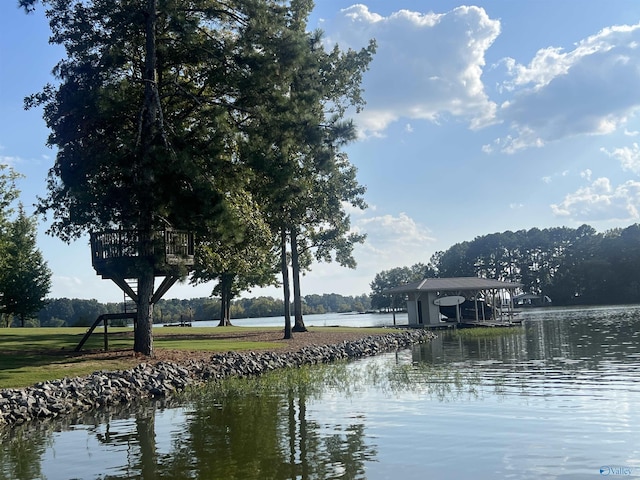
column 558, row 398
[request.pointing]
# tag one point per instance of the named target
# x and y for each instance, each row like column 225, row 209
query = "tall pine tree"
column 25, row 279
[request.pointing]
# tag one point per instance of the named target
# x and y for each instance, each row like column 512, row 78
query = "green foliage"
column 332, row 302
column 25, row 279
column 74, row 312
column 531, row 257
column 121, row 148
column 301, row 179
column 8, row 194
column 238, row 263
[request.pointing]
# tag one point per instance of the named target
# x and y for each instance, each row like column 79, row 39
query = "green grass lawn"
column 31, row 355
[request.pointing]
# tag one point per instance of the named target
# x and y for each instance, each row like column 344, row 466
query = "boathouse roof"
column 454, row 284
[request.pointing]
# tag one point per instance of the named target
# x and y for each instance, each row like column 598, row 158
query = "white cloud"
column 629, row 157
column 427, row 65
column 601, row 201
column 590, row 90
column 586, row 174
column 9, row 161
column 390, row 229
column 392, row 241
column 550, row 178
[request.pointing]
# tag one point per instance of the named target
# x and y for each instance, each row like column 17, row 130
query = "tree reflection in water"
column 262, row 429
column 21, row 453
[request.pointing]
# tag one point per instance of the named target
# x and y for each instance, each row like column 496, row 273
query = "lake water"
column 324, row 320
column 557, row 398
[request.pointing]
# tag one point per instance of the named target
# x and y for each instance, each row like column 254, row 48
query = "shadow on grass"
column 11, row 361
column 52, row 339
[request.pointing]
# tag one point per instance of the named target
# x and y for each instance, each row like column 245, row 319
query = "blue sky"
column 498, row 115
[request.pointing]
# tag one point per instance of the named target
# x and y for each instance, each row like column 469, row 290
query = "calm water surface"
column 558, row 398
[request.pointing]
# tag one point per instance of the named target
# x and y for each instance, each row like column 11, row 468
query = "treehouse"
column 120, row 255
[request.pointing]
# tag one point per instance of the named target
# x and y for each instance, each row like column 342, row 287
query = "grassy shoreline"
column 32, row 355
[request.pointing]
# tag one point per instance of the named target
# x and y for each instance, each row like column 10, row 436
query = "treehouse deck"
column 121, row 254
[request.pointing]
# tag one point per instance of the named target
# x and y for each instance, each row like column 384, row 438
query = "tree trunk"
column 146, row 437
column 304, row 436
column 143, row 341
column 285, row 284
column 225, row 300
column 297, row 297
column 292, row 435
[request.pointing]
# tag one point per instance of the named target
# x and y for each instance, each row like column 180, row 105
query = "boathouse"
column 437, row 301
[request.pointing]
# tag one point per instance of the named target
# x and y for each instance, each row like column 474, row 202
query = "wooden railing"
column 176, row 246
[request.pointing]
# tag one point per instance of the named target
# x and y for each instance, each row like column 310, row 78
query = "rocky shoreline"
column 104, row 388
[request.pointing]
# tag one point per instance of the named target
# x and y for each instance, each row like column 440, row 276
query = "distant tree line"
column 60, row 312
column 573, row 266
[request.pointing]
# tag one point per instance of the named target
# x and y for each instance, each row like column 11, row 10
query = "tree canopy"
column 303, row 178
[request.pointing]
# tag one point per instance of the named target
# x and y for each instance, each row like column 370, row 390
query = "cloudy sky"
column 497, row 115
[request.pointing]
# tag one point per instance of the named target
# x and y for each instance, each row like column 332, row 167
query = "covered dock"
column 460, row 300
